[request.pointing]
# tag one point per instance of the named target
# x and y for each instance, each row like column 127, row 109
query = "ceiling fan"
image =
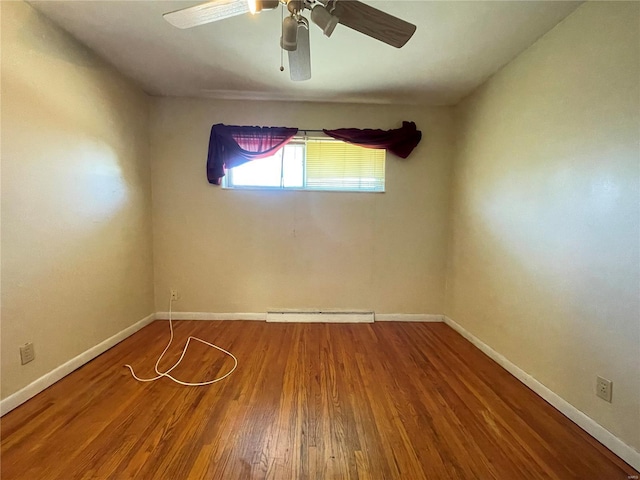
column 326, row 14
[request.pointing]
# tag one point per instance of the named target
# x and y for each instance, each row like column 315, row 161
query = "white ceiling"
column 457, row 45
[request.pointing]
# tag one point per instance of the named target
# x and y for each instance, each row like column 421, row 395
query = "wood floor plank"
column 378, row 401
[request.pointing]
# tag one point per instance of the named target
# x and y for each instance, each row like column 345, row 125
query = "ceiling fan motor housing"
column 295, row 6
column 268, row 4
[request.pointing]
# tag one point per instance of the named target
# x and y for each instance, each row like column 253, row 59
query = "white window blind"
column 334, row 165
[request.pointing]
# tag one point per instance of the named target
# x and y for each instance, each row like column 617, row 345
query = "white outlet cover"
column 604, row 388
column 27, row 353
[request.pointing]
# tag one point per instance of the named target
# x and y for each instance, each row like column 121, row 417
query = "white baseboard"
column 597, row 431
column 408, row 317
column 37, row 386
column 378, row 317
column 211, row 316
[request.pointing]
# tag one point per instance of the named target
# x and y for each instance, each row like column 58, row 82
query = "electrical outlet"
column 174, row 294
column 603, row 388
column 27, row 353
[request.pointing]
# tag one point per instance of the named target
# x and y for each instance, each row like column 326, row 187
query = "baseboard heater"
column 320, row 316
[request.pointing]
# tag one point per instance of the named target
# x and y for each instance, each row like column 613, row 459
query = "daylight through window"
column 314, row 164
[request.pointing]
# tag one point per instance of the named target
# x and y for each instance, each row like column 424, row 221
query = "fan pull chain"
column 281, row 33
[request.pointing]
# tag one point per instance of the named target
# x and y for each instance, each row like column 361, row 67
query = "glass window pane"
column 262, row 172
column 315, row 164
column 293, row 166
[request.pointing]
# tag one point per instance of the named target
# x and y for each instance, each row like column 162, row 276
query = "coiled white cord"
column 184, row 351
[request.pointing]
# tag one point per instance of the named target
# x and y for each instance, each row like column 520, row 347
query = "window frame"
column 300, row 140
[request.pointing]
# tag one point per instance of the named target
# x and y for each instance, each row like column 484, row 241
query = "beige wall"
column 248, row 251
column 76, row 236
column 544, row 259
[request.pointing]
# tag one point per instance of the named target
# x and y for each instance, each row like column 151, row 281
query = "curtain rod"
column 310, row 131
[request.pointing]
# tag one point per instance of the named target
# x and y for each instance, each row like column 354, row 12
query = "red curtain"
column 400, row 141
column 231, row 145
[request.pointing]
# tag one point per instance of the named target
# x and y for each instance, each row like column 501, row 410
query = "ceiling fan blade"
column 372, row 22
column 300, row 58
column 206, row 13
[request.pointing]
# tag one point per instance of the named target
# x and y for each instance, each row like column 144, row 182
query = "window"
column 313, row 164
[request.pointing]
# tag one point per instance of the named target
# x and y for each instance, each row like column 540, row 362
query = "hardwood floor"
column 369, row 401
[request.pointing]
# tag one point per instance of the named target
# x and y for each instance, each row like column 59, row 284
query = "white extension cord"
column 184, row 350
